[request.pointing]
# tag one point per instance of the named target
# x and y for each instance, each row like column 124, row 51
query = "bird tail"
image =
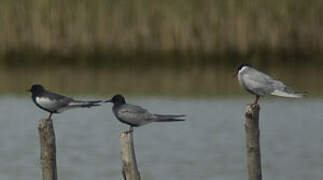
column 87, row 104
column 168, row 118
column 289, row 94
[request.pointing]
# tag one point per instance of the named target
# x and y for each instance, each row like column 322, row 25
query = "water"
column 209, row 145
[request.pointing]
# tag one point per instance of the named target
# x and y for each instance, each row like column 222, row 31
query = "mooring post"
column 253, row 142
column 47, row 149
column 129, row 164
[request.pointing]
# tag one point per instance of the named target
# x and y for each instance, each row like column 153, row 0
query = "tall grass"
column 67, row 27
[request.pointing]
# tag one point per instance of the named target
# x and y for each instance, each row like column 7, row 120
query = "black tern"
column 56, row 103
column 261, row 84
column 136, row 116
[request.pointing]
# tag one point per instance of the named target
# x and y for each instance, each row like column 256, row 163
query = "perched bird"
column 56, row 103
column 261, row 84
column 136, row 116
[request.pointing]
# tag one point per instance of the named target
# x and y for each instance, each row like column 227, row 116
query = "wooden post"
column 47, row 149
column 253, row 143
column 129, row 165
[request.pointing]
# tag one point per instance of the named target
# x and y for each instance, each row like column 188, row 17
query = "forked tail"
column 168, row 118
column 289, row 94
column 87, row 104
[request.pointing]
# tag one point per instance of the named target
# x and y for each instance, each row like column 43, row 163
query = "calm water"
column 209, row 145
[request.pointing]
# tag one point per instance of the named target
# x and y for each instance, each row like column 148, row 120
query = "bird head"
column 240, row 67
column 117, row 99
column 36, row 88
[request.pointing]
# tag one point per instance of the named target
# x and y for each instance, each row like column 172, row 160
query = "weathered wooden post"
column 47, row 149
column 253, row 143
column 129, row 164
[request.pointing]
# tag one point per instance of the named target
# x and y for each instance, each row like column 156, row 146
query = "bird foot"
column 129, row 131
column 253, row 105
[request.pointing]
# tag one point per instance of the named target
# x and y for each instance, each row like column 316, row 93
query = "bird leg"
column 50, row 116
column 256, row 101
column 130, row 130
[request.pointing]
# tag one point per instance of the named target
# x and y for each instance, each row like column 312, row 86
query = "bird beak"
column 109, row 100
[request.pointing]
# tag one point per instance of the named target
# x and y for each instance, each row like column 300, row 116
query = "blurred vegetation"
column 123, row 32
column 187, row 81
column 154, row 47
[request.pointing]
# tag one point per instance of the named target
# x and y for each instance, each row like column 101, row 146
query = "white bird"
column 261, row 84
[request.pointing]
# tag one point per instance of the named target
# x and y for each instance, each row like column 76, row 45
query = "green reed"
column 82, row 27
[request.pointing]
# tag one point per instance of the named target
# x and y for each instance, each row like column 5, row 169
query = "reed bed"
column 81, row 27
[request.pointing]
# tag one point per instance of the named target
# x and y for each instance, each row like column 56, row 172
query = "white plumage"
column 46, row 103
column 261, row 84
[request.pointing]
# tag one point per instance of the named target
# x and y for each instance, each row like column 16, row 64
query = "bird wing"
column 52, row 101
column 257, row 82
column 280, row 89
column 134, row 115
column 262, row 84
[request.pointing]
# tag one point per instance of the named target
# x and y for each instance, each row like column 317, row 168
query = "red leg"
column 257, row 98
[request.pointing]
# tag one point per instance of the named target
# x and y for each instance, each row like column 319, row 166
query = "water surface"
column 209, row 145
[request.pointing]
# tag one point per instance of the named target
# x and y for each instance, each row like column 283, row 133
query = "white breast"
column 46, row 102
column 241, row 75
